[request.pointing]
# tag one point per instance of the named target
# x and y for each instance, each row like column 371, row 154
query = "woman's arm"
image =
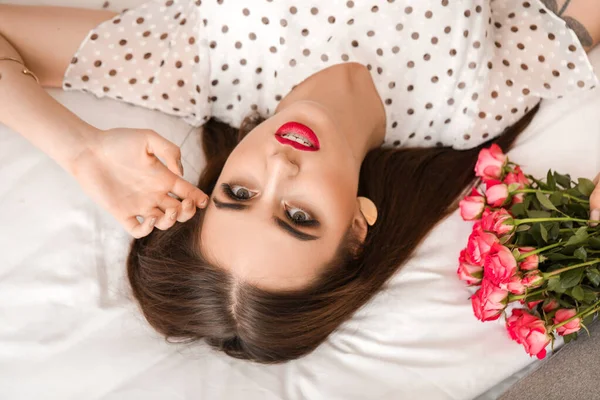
column 26, row 107
column 582, row 16
column 117, row 168
column 47, row 37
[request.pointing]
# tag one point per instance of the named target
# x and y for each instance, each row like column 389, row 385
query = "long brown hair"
column 187, row 299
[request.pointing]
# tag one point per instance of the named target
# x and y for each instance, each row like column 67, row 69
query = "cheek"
column 336, row 192
column 244, row 157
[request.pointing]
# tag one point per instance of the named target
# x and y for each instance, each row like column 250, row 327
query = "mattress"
column 70, row 330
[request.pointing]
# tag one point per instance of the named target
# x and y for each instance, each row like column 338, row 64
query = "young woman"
column 331, row 133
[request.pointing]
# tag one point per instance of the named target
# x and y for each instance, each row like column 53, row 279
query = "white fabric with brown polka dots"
column 451, row 73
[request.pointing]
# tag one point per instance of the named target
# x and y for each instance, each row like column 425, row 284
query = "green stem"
column 534, row 220
column 570, row 267
column 536, row 251
column 550, row 192
column 572, row 230
column 590, row 310
column 512, row 298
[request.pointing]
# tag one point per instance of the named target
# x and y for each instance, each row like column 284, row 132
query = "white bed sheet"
column 69, row 330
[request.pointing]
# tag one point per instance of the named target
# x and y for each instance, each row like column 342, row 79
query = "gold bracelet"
column 25, row 70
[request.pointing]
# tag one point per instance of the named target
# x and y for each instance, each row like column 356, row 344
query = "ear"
column 360, row 226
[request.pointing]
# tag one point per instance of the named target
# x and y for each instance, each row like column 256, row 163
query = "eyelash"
column 229, row 193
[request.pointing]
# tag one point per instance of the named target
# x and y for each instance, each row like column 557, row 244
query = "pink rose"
column 500, row 265
column 479, row 245
column 550, row 305
column 468, row 271
column 515, row 285
column 530, row 331
column 571, row 326
column 533, row 279
column 531, row 304
column 517, row 176
column 497, row 222
column 496, row 193
column 471, row 207
column 489, row 302
column 517, row 198
column 490, row 163
column 530, row 262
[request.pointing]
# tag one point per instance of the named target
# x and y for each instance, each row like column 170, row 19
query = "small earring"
column 368, row 210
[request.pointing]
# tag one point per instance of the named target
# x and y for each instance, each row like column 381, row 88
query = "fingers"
column 166, row 150
column 167, row 220
column 137, row 229
column 595, row 203
column 186, row 190
column 168, row 202
column 187, row 211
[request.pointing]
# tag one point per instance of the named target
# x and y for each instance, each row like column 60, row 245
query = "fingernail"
column 594, row 216
column 180, row 165
column 204, row 202
column 173, row 215
column 152, row 221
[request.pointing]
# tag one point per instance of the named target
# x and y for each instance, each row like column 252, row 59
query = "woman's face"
column 280, row 210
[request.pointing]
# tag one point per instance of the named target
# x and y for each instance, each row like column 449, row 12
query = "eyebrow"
column 278, row 221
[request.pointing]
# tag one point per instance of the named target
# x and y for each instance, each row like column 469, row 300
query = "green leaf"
column 563, row 180
column 590, row 295
column 565, row 302
column 579, row 237
column 518, row 210
column 536, row 234
column 593, row 275
column 571, row 337
column 516, row 253
column 554, row 231
column 556, row 198
column 577, row 210
column 588, row 320
column 513, row 186
column 554, row 285
column 557, row 257
column 544, row 233
column 594, row 243
column 585, row 186
column 523, row 228
column 581, row 254
column 538, row 214
column 577, row 293
column 527, row 201
column 550, row 180
column 571, row 278
column 544, row 201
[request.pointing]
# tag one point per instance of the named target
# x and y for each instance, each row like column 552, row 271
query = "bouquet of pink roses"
column 532, row 244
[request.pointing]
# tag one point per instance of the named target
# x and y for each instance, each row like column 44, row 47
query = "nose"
column 280, row 165
column 279, row 169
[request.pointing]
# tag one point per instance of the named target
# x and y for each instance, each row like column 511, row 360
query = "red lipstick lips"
column 297, row 135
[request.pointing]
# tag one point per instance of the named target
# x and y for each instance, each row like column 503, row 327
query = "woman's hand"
column 119, row 169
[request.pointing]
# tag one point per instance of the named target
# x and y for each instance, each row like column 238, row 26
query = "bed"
column 70, row 330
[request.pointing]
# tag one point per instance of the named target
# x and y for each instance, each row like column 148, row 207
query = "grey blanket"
column 571, row 373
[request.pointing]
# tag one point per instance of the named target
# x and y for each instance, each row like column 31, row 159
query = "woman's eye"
column 298, row 216
column 238, row 192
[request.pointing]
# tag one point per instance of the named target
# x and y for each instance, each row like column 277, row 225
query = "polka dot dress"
column 449, row 73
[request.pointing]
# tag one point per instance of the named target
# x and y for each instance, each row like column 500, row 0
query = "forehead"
column 252, row 248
